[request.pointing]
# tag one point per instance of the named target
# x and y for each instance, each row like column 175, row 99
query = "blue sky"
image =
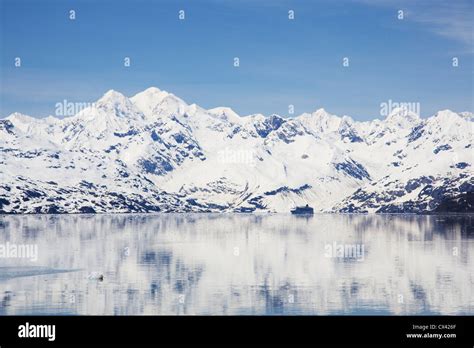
column 282, row 61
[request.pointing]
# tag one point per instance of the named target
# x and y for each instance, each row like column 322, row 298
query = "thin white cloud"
column 450, row 19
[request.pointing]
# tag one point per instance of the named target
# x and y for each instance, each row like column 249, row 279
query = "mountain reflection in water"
column 235, row 264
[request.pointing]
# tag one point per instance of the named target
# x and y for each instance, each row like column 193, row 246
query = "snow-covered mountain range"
column 154, row 152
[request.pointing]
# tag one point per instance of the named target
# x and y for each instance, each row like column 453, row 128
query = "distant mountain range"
column 155, row 153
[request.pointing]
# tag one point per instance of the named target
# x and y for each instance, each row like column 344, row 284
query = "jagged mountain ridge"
column 154, row 152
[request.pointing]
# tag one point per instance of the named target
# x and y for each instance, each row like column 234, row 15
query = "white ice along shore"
column 155, row 153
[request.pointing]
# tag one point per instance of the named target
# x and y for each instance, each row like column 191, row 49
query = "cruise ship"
column 303, row 210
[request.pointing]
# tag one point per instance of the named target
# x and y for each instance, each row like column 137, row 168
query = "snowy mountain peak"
column 347, row 120
column 446, row 114
column 402, row 117
column 322, row 121
column 347, row 130
column 51, row 119
column 321, row 112
column 152, row 95
column 225, row 113
column 113, row 103
column 153, row 90
column 147, row 100
column 154, row 102
column 452, row 123
column 21, row 121
column 112, row 96
column 19, row 117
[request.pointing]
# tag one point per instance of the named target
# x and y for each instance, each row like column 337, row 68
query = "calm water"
column 238, row 264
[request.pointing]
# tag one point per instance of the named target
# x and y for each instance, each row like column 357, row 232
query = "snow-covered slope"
column 154, row 152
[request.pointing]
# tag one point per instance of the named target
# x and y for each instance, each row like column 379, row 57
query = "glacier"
column 153, row 152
